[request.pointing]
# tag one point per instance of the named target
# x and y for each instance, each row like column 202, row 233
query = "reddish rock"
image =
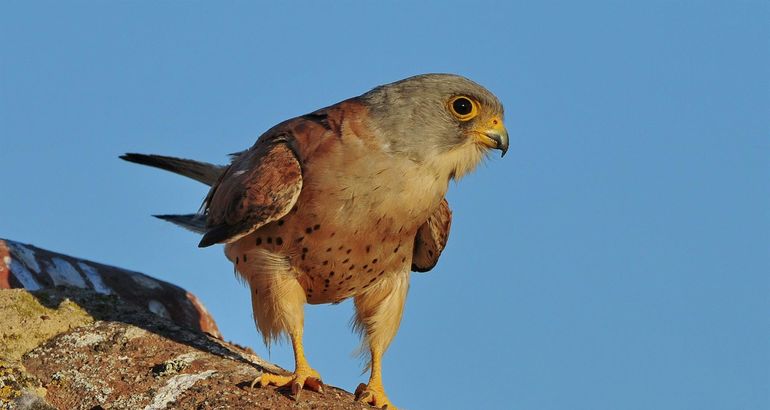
column 32, row 268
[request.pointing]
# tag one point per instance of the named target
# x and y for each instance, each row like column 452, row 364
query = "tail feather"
column 192, row 222
column 200, row 171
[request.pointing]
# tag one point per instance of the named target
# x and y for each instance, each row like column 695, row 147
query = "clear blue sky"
column 629, row 267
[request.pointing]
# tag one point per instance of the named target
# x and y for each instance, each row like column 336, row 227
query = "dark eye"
column 462, row 106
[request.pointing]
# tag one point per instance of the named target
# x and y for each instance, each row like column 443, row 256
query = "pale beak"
column 498, row 134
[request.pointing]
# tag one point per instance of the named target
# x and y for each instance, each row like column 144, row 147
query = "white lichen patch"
column 175, row 365
column 25, row 255
column 22, row 274
column 84, row 340
column 158, row 308
column 95, row 278
column 134, row 332
column 64, row 274
column 175, row 387
column 95, row 388
column 145, row 281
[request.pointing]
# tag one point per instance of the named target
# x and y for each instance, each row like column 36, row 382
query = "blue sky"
column 628, row 269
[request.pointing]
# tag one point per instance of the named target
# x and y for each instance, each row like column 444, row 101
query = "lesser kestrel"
column 344, row 202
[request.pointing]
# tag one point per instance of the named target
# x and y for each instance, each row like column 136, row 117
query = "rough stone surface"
column 28, row 267
column 78, row 348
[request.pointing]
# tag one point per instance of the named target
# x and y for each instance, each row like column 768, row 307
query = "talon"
column 306, row 378
column 255, row 381
column 373, row 395
column 314, row 384
column 360, row 389
column 296, row 389
column 365, row 397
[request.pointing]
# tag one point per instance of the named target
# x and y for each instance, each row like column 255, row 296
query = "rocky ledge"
column 75, row 334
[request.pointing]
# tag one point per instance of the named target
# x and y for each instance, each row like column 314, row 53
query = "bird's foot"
column 373, row 394
column 303, row 377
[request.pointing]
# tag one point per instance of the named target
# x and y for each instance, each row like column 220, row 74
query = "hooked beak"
column 496, row 136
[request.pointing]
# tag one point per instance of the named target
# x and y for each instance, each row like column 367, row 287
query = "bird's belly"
column 333, row 266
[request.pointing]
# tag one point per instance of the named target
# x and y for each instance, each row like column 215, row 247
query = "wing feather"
column 431, row 238
column 260, row 186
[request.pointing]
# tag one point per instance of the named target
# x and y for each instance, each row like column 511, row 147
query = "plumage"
column 344, row 202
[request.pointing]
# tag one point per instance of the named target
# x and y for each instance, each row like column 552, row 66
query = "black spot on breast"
column 304, row 250
column 308, row 230
column 370, row 270
column 365, row 266
column 281, row 222
column 340, row 248
column 236, row 260
column 430, row 252
column 374, row 261
column 300, row 239
column 269, row 239
column 351, row 289
column 279, row 240
column 351, row 267
column 368, row 248
column 259, row 241
column 325, row 262
column 317, row 227
column 396, row 250
column 244, row 257
column 348, row 251
column 331, row 274
column 403, row 259
column 346, row 260
column 328, row 249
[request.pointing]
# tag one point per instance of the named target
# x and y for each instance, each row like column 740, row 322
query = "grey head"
column 434, row 114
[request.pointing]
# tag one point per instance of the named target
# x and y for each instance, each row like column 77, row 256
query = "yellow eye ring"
column 463, row 108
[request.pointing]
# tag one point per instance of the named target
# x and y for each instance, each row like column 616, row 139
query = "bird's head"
column 442, row 119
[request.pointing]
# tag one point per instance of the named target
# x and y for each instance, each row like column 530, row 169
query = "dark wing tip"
column 215, row 235
column 126, row 156
column 206, row 242
column 136, row 158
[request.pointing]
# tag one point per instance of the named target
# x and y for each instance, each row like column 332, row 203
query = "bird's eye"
column 463, row 108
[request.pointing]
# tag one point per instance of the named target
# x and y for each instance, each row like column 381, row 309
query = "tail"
column 200, row 171
column 192, row 222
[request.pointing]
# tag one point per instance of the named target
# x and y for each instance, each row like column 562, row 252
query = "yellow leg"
column 303, row 376
column 374, row 393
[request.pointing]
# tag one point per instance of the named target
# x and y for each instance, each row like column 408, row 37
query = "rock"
column 31, row 268
column 77, row 347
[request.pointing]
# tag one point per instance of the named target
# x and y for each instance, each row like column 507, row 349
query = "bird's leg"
column 278, row 305
column 374, row 392
column 378, row 315
column 303, row 376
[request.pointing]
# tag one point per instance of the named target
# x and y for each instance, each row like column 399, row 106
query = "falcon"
column 344, row 202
